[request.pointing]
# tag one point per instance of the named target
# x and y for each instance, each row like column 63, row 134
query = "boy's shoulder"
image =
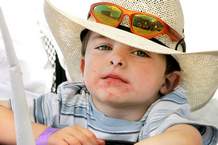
column 178, row 96
column 168, row 106
column 174, row 102
column 73, row 86
column 71, row 99
column 68, row 91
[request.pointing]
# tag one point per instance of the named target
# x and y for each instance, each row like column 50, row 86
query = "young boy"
column 131, row 89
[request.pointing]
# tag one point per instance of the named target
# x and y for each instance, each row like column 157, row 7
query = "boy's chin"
column 113, row 98
column 114, row 87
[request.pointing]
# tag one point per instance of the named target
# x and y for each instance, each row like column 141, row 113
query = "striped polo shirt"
column 73, row 105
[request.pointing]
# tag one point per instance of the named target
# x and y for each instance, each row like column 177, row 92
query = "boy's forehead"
column 97, row 36
column 94, row 35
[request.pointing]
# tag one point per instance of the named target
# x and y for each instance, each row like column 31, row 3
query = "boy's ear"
column 82, row 65
column 171, row 82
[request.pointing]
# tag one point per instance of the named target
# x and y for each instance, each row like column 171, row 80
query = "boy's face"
column 119, row 76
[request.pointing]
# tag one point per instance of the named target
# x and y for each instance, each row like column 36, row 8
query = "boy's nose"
column 119, row 55
column 117, row 60
column 119, row 63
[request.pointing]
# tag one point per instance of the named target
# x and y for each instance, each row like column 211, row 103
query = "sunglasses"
column 143, row 24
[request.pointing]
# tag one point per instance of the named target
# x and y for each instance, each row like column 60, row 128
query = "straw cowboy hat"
column 199, row 69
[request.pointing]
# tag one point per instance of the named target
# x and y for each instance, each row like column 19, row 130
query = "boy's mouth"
column 115, row 77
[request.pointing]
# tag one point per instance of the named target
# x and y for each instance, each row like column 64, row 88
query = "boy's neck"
column 131, row 113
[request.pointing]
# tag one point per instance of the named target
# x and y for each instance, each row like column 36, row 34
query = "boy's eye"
column 104, row 47
column 140, row 53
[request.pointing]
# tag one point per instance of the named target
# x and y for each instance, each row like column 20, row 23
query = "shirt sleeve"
column 173, row 109
column 46, row 109
column 55, row 109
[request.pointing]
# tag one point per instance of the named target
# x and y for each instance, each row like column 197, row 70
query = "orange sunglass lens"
column 106, row 14
column 146, row 25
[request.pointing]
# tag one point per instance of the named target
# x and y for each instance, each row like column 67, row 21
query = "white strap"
column 23, row 125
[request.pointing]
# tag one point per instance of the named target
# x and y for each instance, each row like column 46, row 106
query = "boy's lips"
column 115, row 77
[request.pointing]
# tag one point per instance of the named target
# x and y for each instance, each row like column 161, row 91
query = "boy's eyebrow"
column 97, row 36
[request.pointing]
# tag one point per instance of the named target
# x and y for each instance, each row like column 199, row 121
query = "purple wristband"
column 43, row 138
